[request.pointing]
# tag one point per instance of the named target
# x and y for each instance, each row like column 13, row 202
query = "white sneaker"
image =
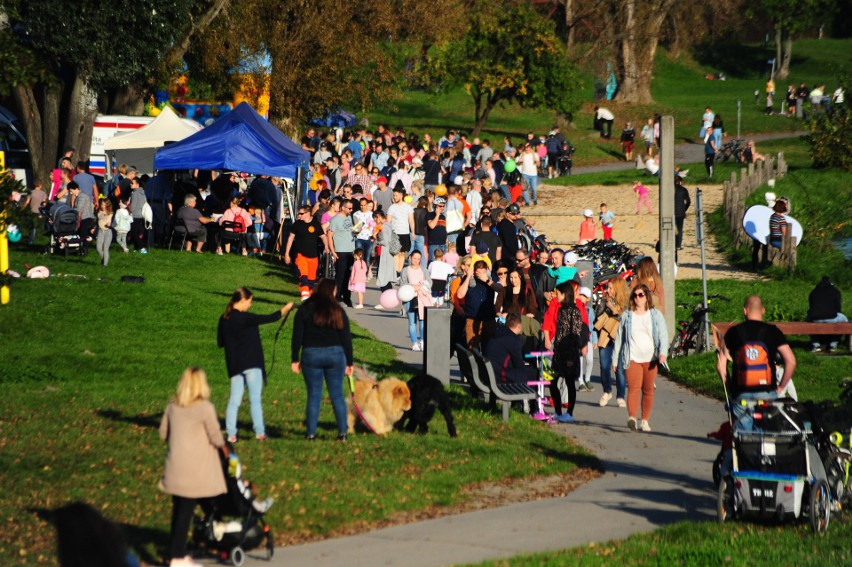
column 643, row 425
column 422, row 346
column 621, row 403
column 631, row 423
column 605, row 398
column 379, row 307
column 416, row 347
column 359, row 306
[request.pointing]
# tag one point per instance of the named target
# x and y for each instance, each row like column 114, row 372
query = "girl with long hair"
column 647, row 273
column 321, row 336
column 641, row 345
column 617, row 297
column 570, row 341
column 193, row 473
column 239, row 335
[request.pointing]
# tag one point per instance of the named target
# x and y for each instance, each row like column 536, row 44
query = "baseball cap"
column 459, row 180
column 586, row 291
column 382, row 178
column 588, row 213
column 513, row 208
column 571, row 258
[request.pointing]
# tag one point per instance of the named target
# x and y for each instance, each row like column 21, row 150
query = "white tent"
column 137, row 148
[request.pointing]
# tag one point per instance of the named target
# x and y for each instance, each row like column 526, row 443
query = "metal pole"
column 739, row 113
column 667, row 225
column 699, row 233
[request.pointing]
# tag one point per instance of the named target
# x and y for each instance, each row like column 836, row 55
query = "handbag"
column 455, row 220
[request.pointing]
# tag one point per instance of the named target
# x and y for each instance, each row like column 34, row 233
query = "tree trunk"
column 777, row 49
column 481, row 119
column 82, row 110
column 41, row 129
column 569, row 23
column 786, row 56
column 126, row 100
column 637, row 46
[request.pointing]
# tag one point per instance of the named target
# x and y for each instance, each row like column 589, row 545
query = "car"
column 13, row 143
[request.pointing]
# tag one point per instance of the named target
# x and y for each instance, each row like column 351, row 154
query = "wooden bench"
column 505, row 392
column 470, row 374
column 794, row 328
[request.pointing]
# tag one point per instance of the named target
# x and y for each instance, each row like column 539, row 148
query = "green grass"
column 88, row 363
column 700, row 544
column 678, row 87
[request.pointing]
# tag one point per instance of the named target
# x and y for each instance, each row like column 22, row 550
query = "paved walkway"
column 651, row 479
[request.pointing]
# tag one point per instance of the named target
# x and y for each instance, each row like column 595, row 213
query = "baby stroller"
column 234, row 524
column 565, row 161
column 63, row 222
column 776, row 469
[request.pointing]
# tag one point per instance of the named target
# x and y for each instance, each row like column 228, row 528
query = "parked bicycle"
column 832, row 425
column 733, row 149
column 690, row 335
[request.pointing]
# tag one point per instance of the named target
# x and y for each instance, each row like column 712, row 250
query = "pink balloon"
column 389, row 300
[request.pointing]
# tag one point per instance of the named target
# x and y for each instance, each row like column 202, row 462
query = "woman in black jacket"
column 571, row 340
column 240, row 337
column 321, row 333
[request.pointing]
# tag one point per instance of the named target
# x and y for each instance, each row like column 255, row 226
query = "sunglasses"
column 635, row 295
column 502, row 273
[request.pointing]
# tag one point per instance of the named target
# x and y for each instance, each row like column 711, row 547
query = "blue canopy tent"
column 337, row 119
column 241, row 140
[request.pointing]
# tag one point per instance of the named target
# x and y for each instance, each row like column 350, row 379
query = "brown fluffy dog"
column 381, row 403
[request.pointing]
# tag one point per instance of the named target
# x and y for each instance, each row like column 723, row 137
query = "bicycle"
column 834, row 443
column 690, row 334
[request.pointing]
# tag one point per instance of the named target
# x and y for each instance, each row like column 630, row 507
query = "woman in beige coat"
column 193, row 471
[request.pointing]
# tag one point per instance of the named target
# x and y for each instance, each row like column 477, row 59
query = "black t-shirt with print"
column 306, row 241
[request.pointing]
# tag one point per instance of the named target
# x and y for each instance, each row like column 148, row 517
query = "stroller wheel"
column 238, row 556
column 725, row 503
column 820, row 506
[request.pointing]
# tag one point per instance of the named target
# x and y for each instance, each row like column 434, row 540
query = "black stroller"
column 235, row 523
column 63, row 223
column 565, row 161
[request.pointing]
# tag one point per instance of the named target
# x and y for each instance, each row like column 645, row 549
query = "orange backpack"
column 752, row 365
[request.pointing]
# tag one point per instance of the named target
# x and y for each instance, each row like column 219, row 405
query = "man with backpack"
column 752, row 347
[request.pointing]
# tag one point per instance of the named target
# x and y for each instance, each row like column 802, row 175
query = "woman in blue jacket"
column 641, row 345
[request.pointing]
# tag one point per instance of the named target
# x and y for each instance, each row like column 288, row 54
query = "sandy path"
column 559, row 213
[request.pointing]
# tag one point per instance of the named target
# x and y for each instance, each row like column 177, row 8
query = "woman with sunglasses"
column 641, row 345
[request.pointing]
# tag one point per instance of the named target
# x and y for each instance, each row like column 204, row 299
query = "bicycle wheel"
column 820, row 506
column 838, row 471
column 677, row 347
column 726, row 500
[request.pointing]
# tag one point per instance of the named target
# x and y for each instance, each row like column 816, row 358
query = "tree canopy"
column 509, row 53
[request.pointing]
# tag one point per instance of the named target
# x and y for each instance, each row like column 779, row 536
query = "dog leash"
column 275, row 341
column 355, row 405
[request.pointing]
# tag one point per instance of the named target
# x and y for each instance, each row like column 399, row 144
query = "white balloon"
column 406, row 293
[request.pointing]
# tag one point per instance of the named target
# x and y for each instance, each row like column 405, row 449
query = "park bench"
column 470, row 374
column 506, row 393
column 795, row 328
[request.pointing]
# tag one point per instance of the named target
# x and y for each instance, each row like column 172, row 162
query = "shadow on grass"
column 734, row 59
column 581, row 460
column 153, row 421
column 85, row 533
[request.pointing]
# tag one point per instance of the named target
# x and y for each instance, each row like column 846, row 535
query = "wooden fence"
column 736, row 192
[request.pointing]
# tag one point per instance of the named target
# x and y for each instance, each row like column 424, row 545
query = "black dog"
column 85, row 538
column 427, row 395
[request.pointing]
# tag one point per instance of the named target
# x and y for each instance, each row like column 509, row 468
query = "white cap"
column 571, row 258
column 459, row 180
column 586, row 291
column 588, row 213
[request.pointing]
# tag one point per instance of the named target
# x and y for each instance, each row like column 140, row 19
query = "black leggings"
column 557, row 397
column 182, row 509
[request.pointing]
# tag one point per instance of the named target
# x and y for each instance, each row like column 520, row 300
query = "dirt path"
column 559, row 213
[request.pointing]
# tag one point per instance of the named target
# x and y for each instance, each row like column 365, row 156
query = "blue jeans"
column 532, row 180
column 839, row 318
column 418, row 242
column 329, row 364
column 413, row 320
column 253, row 378
column 605, row 355
column 742, row 414
column 433, row 247
column 366, row 246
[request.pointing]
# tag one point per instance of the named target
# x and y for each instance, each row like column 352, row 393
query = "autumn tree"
column 59, row 58
column 509, row 53
column 321, row 55
column 791, row 18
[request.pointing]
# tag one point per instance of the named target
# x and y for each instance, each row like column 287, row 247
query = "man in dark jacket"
column 682, row 203
column 824, row 307
column 505, row 353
